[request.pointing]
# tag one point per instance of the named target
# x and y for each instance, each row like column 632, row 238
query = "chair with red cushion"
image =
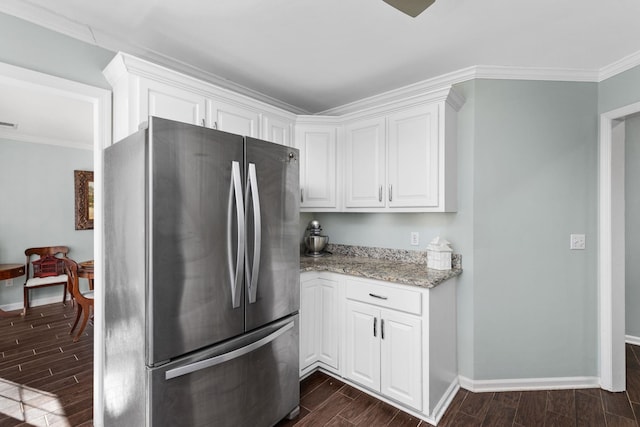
column 43, row 272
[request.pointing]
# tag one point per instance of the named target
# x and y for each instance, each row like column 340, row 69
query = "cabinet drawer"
column 385, row 296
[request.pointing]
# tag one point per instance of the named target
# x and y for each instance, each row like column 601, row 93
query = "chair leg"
column 26, row 301
column 85, row 318
column 64, row 295
column 78, row 312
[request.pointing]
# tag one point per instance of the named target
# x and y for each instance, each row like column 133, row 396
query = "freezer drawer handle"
column 236, row 273
column 252, row 272
column 234, row 354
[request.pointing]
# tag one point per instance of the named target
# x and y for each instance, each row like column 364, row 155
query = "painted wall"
column 38, row 182
column 632, row 226
column 26, row 45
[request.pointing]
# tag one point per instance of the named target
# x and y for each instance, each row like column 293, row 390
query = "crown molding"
column 620, row 66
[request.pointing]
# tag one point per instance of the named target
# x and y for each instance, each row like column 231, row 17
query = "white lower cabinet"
column 383, row 352
column 397, row 342
column 319, row 334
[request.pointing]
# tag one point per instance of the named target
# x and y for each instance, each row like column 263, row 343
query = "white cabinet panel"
column 328, row 307
column 308, row 323
column 414, row 157
column 277, row 130
column 400, row 361
column 231, row 118
column 171, row 103
column 363, row 345
column 365, row 164
column 319, row 327
column 318, row 178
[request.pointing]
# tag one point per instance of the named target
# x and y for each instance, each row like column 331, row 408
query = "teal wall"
column 632, row 225
column 37, row 182
column 30, row 46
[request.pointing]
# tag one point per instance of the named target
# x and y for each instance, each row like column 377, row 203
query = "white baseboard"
column 32, row 303
column 526, row 384
column 630, row 339
column 439, row 410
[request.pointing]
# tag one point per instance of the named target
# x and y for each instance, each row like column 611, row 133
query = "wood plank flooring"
column 325, row 401
column 47, row 380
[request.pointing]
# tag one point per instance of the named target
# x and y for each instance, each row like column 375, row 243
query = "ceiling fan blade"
column 412, row 8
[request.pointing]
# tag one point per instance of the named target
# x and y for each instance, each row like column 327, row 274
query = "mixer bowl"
column 316, row 244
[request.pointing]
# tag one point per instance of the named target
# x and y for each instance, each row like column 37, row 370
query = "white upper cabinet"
column 142, row 89
column 318, row 160
column 277, row 129
column 232, row 118
column 166, row 101
column 413, row 158
column 365, row 164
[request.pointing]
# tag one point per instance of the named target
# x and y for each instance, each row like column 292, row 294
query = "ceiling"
column 311, row 56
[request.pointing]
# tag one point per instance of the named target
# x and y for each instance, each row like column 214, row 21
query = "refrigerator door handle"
column 235, row 273
column 252, row 272
column 234, row 354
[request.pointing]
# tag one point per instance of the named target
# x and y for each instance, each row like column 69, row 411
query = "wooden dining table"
column 85, row 270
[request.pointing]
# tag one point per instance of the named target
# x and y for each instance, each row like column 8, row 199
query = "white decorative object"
column 439, row 254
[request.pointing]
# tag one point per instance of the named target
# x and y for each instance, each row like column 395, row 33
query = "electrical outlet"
column 8, row 282
column 577, row 241
column 415, row 238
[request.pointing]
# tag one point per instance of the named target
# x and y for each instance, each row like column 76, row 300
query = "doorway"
column 611, row 246
column 99, row 101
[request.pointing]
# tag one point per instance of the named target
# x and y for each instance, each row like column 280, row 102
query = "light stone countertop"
column 397, row 266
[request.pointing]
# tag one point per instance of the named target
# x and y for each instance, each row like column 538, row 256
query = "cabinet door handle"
column 390, row 192
column 375, row 322
column 377, row 296
column 380, row 194
column 203, row 122
column 382, row 328
column 301, row 195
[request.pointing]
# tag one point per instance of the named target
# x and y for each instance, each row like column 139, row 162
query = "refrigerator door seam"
column 234, row 354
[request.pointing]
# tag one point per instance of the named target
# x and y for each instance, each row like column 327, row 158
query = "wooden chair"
column 84, row 300
column 32, row 282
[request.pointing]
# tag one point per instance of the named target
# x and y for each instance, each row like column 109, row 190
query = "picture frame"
column 83, row 182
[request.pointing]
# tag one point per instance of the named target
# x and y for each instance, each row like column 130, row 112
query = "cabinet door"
column 329, row 330
column 277, row 130
column 365, row 164
column 401, row 364
column 317, row 166
column 231, row 118
column 413, row 157
column 308, row 323
column 362, row 342
column 171, row 103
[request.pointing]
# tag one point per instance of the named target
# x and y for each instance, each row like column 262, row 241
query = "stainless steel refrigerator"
column 201, row 279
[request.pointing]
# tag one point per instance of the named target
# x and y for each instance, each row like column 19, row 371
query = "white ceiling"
column 311, row 56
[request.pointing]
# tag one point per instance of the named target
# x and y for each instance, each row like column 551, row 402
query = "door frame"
column 100, row 101
column 611, row 247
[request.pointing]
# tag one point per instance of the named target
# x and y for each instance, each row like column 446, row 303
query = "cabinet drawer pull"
column 377, row 296
column 382, row 328
column 375, row 321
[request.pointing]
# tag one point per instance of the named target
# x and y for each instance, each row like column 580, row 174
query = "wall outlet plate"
column 577, row 242
column 8, row 282
column 415, row 238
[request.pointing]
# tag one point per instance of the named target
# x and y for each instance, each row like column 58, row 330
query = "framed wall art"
column 83, row 181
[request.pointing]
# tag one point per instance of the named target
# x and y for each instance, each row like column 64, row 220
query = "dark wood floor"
column 47, row 380
column 325, row 401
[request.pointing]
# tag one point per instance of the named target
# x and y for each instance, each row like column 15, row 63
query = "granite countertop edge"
column 397, row 270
